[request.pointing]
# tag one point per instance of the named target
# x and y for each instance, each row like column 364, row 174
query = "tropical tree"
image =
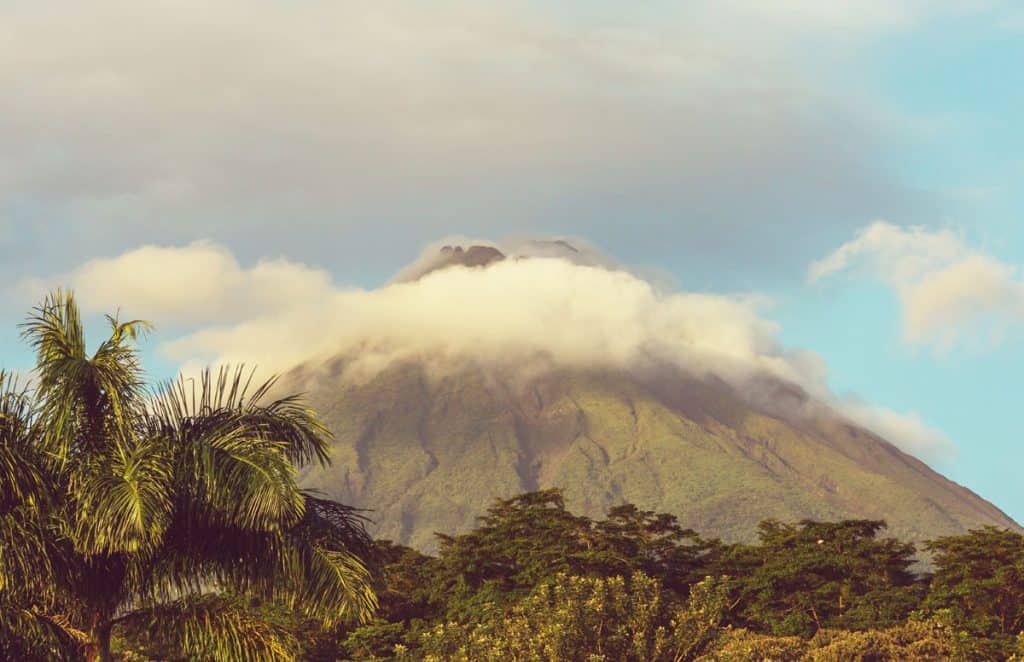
column 174, row 510
column 813, row 575
column 24, row 492
column 532, row 537
column 636, row 540
column 979, row 584
column 519, row 543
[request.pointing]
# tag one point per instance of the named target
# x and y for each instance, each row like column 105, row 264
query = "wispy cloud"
column 950, row 292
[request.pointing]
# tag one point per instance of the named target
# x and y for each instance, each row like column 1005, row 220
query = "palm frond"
column 21, row 475
column 25, row 559
column 132, row 330
column 332, row 587
column 233, row 473
column 54, row 329
column 332, row 581
column 125, row 503
column 200, row 551
column 214, row 627
column 286, row 420
column 26, row 494
column 85, row 401
column 236, row 455
column 29, row 636
column 118, row 372
column 319, row 566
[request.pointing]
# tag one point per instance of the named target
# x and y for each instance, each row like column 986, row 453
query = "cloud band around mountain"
column 278, row 314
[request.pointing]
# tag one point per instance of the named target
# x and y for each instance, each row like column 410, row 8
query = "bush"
column 741, row 645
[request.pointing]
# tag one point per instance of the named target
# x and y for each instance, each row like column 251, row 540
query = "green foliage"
column 741, row 645
column 501, row 592
column 520, row 542
column 213, row 627
column 586, row 619
column 635, row 540
column 376, row 641
column 817, row 575
column 121, row 506
column 406, row 585
column 914, row 641
column 404, row 580
column 537, row 582
column 696, row 627
column 979, row 583
column 530, row 538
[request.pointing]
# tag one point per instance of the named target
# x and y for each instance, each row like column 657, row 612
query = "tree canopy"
column 536, row 582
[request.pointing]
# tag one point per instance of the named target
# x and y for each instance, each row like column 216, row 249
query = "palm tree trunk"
column 98, row 650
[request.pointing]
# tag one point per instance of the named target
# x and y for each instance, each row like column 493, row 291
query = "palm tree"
column 176, row 509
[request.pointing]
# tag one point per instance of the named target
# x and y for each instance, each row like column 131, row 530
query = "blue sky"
column 959, row 74
column 725, row 147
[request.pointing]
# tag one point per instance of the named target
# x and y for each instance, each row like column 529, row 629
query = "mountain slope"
column 428, row 448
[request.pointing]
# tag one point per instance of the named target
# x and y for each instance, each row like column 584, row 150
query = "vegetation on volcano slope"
column 427, row 449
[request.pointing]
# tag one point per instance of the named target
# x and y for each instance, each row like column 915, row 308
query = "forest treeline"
column 536, row 582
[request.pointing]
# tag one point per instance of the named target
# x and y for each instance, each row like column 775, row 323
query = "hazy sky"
column 837, row 186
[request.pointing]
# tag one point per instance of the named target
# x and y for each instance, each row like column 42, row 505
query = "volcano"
column 428, row 440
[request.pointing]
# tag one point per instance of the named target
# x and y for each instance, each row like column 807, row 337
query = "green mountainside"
column 429, row 453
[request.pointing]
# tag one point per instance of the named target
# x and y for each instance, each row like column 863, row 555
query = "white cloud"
column 950, row 292
column 518, row 312
column 198, row 283
column 907, row 430
column 577, row 315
